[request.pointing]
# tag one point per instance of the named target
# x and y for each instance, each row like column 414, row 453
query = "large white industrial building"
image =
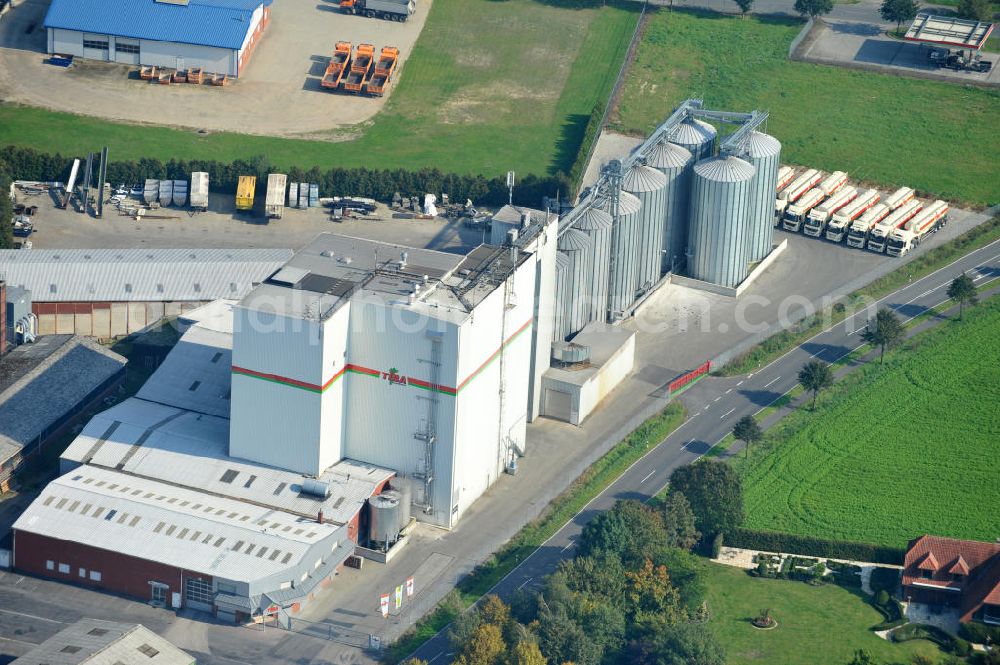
column 218, row 36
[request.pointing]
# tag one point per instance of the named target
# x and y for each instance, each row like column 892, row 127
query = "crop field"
column 824, row 624
column 884, row 129
column 490, row 86
column 894, row 451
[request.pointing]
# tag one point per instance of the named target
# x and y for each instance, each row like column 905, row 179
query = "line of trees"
column 380, row 184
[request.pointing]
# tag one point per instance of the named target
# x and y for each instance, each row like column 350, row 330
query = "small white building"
column 217, row 35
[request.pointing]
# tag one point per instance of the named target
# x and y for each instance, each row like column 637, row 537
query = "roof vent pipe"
column 319, row 517
column 403, row 256
column 525, row 219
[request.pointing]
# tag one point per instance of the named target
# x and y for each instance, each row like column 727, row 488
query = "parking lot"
column 280, row 94
column 866, row 45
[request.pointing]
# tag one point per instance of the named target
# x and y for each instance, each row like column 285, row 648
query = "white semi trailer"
column 858, row 235
column 819, row 216
column 274, row 202
column 794, row 191
column 198, row 195
column 899, row 197
column 929, row 220
column 833, row 182
column 879, row 236
column 836, row 229
column 796, row 212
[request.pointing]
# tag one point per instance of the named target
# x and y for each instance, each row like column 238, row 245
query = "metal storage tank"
column 697, row 136
column 625, row 241
column 649, row 186
column 576, row 245
column 721, row 200
column 384, row 517
column 597, row 224
column 560, row 314
column 405, row 488
column 674, row 162
column 764, row 152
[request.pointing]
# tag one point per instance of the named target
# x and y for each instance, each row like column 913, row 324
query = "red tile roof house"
column 963, row 574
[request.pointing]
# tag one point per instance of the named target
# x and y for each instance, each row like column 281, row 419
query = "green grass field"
column 894, row 451
column 937, row 137
column 490, row 86
column 824, row 624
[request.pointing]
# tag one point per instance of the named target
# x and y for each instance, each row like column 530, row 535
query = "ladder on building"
column 427, row 432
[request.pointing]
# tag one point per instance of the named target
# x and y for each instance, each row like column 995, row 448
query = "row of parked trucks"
column 830, row 207
column 389, row 10
column 300, row 194
column 361, row 72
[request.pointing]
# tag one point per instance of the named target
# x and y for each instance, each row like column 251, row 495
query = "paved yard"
column 279, row 95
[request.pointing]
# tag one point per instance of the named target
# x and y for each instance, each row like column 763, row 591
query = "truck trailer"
column 836, row 229
column 899, row 197
column 929, row 220
column 858, row 235
column 818, row 217
column 791, row 193
column 198, row 195
column 293, row 195
column 245, row 192
column 390, row 10
column 796, row 212
column 274, row 202
column 879, row 235
column 833, row 182
column 385, row 66
column 339, row 63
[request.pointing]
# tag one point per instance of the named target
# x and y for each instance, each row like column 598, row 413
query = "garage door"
column 127, row 51
column 198, row 594
column 95, row 47
column 557, row 404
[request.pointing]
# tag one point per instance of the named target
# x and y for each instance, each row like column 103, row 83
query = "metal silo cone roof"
column 563, row 262
column 666, row 155
column 574, row 241
column 593, row 219
column 761, row 145
column 693, row 132
column 724, row 169
column 628, row 204
column 643, row 179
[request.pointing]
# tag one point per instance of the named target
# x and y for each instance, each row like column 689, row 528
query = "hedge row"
column 29, row 164
column 769, row 541
column 944, row 639
column 979, row 633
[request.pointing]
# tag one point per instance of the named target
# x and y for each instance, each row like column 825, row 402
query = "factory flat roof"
column 175, row 526
column 195, row 375
column 333, row 268
column 136, row 275
column 603, row 341
column 97, row 642
column 40, row 383
column 168, row 444
column 949, row 30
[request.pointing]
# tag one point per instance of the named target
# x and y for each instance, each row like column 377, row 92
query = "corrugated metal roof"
column 196, row 374
column 172, row 525
column 137, row 275
column 628, row 204
column 693, row 132
column 666, row 155
column 218, row 23
column 593, row 219
column 574, row 241
column 761, row 145
column 98, row 642
column 724, row 169
column 641, row 178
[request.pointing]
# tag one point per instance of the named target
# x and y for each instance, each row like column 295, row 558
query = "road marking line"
column 647, row 477
column 739, row 384
column 30, row 616
column 768, row 384
column 440, row 653
column 706, row 407
column 817, row 353
column 726, row 413
column 717, row 398
column 567, row 546
column 729, row 391
column 524, row 583
column 976, row 279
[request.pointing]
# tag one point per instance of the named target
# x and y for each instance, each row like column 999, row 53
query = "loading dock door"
column 198, row 594
column 557, row 405
column 127, row 51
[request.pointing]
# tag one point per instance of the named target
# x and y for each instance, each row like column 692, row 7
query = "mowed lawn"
column 896, row 451
column 490, row 86
column 940, row 138
column 824, row 624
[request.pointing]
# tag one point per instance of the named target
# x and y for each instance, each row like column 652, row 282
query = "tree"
column 486, row 647
column 748, row 431
column 976, row 10
column 715, row 493
column 884, row 331
column 897, row 11
column 862, row 657
column 6, row 214
column 963, row 291
column 744, row 6
column 494, row 611
column 684, row 644
column 814, row 376
column 526, row 653
column 678, row 522
column 813, row 8
column 631, row 530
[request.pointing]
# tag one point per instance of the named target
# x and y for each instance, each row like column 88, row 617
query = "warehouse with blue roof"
column 218, row 36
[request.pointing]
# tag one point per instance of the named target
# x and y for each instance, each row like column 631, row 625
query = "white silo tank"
column 721, row 200
column 624, row 278
column 697, row 136
column 649, row 186
column 674, row 162
column 561, row 306
column 764, row 152
column 576, row 245
column 597, row 224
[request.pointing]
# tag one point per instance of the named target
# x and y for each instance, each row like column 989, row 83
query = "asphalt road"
column 714, row 405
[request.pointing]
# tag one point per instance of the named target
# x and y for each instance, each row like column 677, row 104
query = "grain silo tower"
column 721, row 200
column 697, row 136
column 576, row 246
column 625, row 239
column 560, row 317
column 593, row 291
column 764, row 152
column 674, row 162
column 649, row 186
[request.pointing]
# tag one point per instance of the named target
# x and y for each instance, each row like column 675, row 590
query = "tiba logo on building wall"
column 393, row 376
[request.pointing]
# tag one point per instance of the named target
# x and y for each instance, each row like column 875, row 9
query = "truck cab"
column 818, row 217
column 858, row 234
column 879, row 236
column 928, row 221
column 797, row 212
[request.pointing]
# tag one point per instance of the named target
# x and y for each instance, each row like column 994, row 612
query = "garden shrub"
column 979, row 633
column 885, row 578
column 770, row 541
column 882, row 597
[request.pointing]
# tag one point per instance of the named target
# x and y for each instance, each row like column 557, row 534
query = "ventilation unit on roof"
column 315, row 487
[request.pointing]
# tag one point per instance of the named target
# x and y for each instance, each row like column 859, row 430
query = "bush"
column 882, row 597
column 979, row 633
column 922, row 631
column 960, row 647
column 885, row 578
column 716, row 545
column 891, row 611
column 770, row 541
